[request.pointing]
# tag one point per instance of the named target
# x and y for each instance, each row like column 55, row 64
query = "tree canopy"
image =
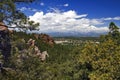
column 87, row 61
column 102, row 60
column 10, row 14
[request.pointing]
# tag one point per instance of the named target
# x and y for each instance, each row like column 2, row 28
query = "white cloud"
column 27, row 9
column 42, row 4
column 96, row 21
column 66, row 5
column 116, row 18
column 55, row 10
column 63, row 5
column 23, row 9
column 110, row 18
column 68, row 21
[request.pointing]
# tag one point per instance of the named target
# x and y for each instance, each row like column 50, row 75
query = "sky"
column 75, row 16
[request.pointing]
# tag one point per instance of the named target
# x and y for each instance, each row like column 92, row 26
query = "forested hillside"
column 58, row 65
column 34, row 56
column 88, row 61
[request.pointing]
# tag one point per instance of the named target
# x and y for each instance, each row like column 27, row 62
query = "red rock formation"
column 47, row 39
column 36, row 36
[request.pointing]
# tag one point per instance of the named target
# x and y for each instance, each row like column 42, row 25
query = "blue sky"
column 95, row 8
column 77, row 15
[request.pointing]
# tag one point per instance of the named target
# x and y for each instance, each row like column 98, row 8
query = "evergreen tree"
column 102, row 60
column 10, row 14
column 114, row 31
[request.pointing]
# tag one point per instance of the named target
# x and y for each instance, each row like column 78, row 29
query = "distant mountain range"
column 72, row 34
column 75, row 34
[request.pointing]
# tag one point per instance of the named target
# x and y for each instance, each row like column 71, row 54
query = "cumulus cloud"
column 68, row 21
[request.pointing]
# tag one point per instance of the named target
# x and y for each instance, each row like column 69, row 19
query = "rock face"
column 36, row 50
column 46, row 38
column 31, row 42
column 36, row 36
column 3, row 27
column 43, row 55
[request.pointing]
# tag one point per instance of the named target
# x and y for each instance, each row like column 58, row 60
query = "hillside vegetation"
column 88, row 61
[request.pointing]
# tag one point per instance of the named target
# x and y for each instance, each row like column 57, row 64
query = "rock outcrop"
column 36, row 51
column 45, row 38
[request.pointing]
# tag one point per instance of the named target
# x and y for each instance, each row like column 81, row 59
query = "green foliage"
column 114, row 31
column 61, row 63
column 88, row 61
column 10, row 15
column 7, row 9
column 102, row 60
